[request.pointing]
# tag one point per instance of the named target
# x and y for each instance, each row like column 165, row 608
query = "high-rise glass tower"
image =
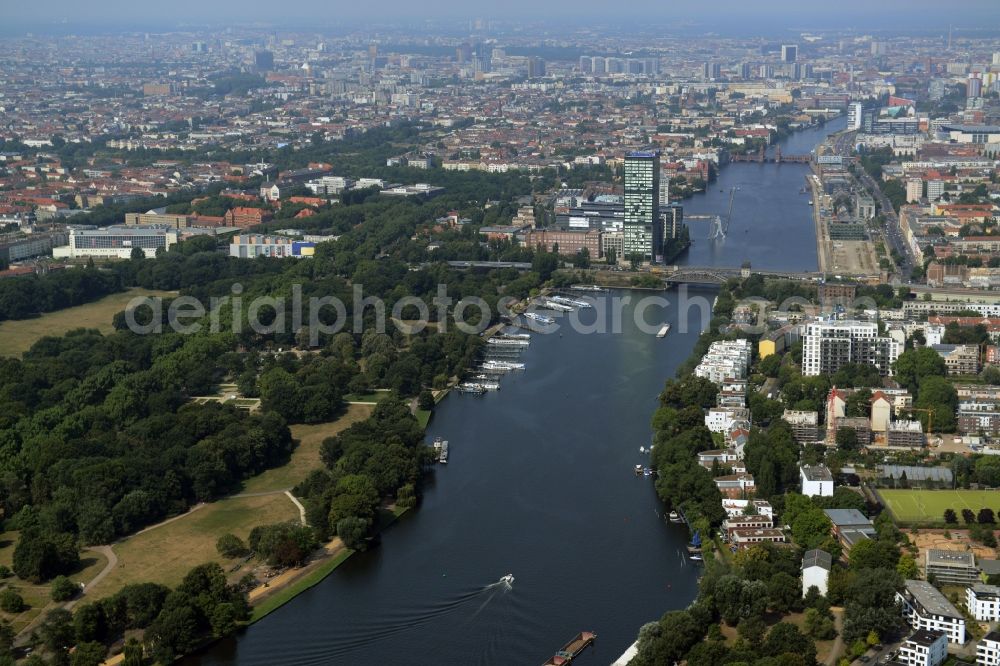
column 642, row 205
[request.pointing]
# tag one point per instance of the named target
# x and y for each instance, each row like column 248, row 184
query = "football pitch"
column 928, row 506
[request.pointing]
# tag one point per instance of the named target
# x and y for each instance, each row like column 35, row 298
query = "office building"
column 924, row 607
column 983, row 601
column 974, row 85
column 951, row 567
column 536, row 67
column 746, row 71
column 565, row 241
column 263, row 61
column 789, row 52
column 116, row 242
column 711, row 70
column 924, row 648
column 914, row 190
column 988, row 650
column 829, row 345
column 935, row 188
column 854, row 110
column 642, row 205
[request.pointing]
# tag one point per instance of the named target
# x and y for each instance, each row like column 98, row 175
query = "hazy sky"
column 873, row 14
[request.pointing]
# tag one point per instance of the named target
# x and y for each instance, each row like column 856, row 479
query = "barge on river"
column 572, row 650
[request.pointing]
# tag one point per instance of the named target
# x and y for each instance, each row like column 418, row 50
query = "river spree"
column 772, row 222
column 540, row 484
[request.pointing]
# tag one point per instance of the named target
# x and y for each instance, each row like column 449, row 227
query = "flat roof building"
column 924, row 607
column 951, row 566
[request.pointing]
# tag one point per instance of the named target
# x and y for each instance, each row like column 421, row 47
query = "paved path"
column 108, row 552
column 22, row 637
column 837, row 648
column 296, row 502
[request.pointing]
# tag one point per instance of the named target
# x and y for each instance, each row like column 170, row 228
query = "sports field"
column 928, row 506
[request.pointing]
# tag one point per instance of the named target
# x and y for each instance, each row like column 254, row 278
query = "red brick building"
column 246, row 217
column 569, row 241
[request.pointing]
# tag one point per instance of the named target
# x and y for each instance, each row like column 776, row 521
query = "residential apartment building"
column 988, row 650
column 924, row 607
column 979, row 417
column 251, row 246
column 829, row 345
column 816, row 480
column 745, row 538
column 983, row 601
column 725, row 359
column 924, row 648
column 959, row 359
column 905, row 433
column 805, row 425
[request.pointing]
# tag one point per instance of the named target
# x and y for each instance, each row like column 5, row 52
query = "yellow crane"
column 930, row 417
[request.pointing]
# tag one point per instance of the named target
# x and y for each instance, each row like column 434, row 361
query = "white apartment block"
column 924, row 607
column 988, row 650
column 983, row 601
column 924, row 648
column 829, row 345
column 816, row 480
column 725, row 359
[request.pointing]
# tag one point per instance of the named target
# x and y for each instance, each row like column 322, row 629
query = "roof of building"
column 915, row 473
column 817, row 558
column 925, row 637
column 992, row 636
column 983, row 590
column 989, row 567
column 950, row 558
column 847, row 518
column 816, row 472
column 931, row 599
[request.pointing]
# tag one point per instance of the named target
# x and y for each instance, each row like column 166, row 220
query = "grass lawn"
column 305, row 457
column 372, row 397
column 423, row 417
column 165, row 554
column 928, row 506
column 16, row 337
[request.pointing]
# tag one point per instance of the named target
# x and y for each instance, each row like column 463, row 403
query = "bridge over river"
column 722, row 274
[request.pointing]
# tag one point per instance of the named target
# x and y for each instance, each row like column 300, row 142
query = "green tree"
column 89, row 654
column 63, row 589
column 819, row 625
column 230, row 545
column 352, row 530
column 11, row 601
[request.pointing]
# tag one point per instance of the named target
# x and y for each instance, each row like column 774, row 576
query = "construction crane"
column 930, row 417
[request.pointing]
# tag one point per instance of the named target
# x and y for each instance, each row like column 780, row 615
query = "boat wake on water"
column 410, row 619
